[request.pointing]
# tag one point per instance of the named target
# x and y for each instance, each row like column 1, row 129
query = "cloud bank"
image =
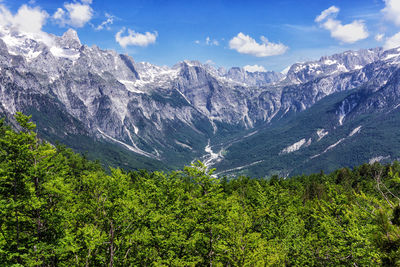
column 105, row 24
column 392, row 42
column 135, row 38
column 244, row 44
column 346, row 33
column 27, row 19
column 391, row 13
column 75, row 14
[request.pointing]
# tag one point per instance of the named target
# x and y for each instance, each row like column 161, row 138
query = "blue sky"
column 268, row 34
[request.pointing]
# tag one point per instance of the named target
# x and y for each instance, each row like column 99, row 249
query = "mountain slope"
column 142, row 115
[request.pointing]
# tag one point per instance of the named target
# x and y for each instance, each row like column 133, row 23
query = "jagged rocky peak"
column 256, row 78
column 153, row 75
column 3, row 47
column 137, row 103
column 236, row 71
column 192, row 70
column 146, row 67
column 195, row 70
column 353, row 59
column 70, row 39
column 192, row 63
column 195, row 65
column 130, row 63
column 217, row 72
column 392, row 55
column 332, row 65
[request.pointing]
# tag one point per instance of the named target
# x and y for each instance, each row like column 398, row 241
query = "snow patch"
column 20, row 46
column 250, row 134
column 332, row 146
column 342, row 114
column 299, row 68
column 187, row 100
column 131, row 148
column 65, row 53
column 213, row 125
column 135, row 129
column 285, row 70
column 296, row 146
column 345, row 108
column 321, row 133
column 11, row 41
column 131, row 86
column 342, row 67
column 183, row 145
column 149, row 73
column 355, row 130
column 313, row 65
column 130, row 137
column 328, row 148
column 329, row 62
column 32, row 55
column 390, row 56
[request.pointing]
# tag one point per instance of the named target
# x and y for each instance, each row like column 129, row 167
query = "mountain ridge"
column 177, row 114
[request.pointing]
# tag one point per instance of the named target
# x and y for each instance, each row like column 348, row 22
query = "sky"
column 257, row 35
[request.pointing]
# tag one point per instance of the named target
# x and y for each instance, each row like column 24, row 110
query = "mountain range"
column 341, row 110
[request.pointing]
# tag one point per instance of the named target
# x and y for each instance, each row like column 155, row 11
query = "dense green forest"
column 59, row 209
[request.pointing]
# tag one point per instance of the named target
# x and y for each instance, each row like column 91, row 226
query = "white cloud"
column 254, row 68
column 59, row 14
column 135, row 38
column 348, row 33
column 105, row 24
column 210, row 41
column 210, row 62
column 392, row 42
column 244, row 44
column 74, row 14
column 327, row 12
column 5, row 16
column 392, row 11
column 379, row 37
column 27, row 19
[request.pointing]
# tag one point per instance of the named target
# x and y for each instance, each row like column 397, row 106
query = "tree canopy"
column 59, row 209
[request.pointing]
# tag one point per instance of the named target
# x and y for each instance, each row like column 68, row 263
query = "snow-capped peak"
column 70, row 39
column 285, row 70
column 332, row 65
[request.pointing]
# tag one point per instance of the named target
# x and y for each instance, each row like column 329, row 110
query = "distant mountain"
column 139, row 115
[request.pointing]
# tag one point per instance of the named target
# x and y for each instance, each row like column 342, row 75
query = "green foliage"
column 57, row 208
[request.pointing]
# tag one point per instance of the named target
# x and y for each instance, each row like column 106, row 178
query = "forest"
column 57, row 208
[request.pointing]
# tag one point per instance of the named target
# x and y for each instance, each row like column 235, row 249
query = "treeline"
column 59, row 209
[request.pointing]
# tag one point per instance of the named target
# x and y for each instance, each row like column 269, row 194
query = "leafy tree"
column 59, row 209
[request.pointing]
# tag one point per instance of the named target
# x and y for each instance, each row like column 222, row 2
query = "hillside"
column 59, row 209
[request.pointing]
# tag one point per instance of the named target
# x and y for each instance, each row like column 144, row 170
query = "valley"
column 239, row 122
